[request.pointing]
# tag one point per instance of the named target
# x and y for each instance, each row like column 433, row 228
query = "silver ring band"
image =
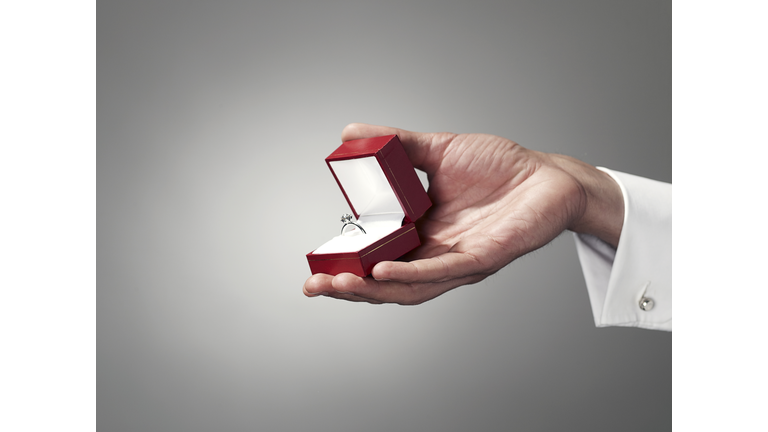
column 347, row 219
column 352, row 223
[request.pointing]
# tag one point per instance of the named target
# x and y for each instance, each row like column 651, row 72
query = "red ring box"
column 385, row 194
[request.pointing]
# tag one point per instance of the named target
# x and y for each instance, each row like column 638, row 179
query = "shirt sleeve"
column 632, row 286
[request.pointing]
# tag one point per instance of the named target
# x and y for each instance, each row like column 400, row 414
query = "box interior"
column 374, row 200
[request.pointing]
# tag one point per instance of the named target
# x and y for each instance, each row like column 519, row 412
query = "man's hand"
column 493, row 201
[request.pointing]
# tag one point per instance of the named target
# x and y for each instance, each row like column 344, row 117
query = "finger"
column 342, row 285
column 353, row 298
column 351, row 287
column 318, row 284
column 322, row 284
column 441, row 268
column 362, row 130
column 425, row 150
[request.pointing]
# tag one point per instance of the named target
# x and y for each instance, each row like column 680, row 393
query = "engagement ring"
column 347, row 220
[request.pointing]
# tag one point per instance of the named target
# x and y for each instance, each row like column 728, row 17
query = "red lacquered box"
column 386, row 196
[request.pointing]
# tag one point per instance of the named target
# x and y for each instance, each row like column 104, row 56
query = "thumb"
column 425, row 150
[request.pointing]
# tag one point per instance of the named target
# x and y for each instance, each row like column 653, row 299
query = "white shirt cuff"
column 641, row 267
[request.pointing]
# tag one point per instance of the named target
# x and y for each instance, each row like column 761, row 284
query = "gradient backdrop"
column 214, row 118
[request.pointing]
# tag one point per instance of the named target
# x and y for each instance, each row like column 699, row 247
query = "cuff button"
column 646, row 303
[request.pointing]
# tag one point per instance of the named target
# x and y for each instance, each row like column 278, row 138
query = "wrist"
column 602, row 202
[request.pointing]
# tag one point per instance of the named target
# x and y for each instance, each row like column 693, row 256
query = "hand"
column 493, row 201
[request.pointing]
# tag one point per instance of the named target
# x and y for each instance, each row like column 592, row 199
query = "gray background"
column 213, row 122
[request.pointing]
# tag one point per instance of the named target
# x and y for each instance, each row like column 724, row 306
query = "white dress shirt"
column 632, row 286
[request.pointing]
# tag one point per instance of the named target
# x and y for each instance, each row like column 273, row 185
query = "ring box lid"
column 377, row 178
